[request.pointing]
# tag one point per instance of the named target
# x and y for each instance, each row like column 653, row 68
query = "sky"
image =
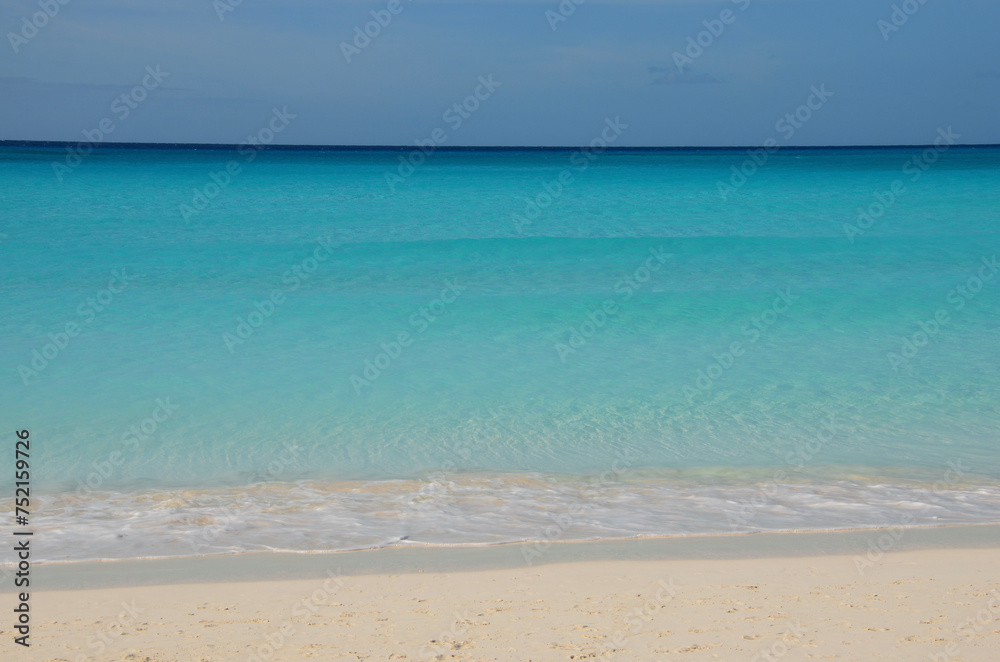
column 886, row 72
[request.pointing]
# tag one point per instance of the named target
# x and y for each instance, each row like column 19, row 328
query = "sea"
column 225, row 350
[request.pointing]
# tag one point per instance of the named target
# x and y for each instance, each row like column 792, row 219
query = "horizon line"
column 458, row 148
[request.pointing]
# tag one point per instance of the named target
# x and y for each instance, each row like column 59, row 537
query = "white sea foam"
column 474, row 509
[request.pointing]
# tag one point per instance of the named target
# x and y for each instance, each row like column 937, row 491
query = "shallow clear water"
column 582, row 363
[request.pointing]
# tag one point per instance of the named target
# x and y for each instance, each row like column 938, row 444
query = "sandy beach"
column 939, row 604
column 500, row 331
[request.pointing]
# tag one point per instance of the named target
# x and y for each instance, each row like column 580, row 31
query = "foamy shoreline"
column 476, row 510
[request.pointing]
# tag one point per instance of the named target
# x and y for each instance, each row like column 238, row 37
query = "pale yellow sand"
column 908, row 606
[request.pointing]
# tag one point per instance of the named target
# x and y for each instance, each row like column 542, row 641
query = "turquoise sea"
column 218, row 350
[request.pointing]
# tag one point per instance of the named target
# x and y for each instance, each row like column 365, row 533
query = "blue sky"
column 610, row 58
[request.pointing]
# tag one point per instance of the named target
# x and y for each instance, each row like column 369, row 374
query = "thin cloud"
column 670, row 76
